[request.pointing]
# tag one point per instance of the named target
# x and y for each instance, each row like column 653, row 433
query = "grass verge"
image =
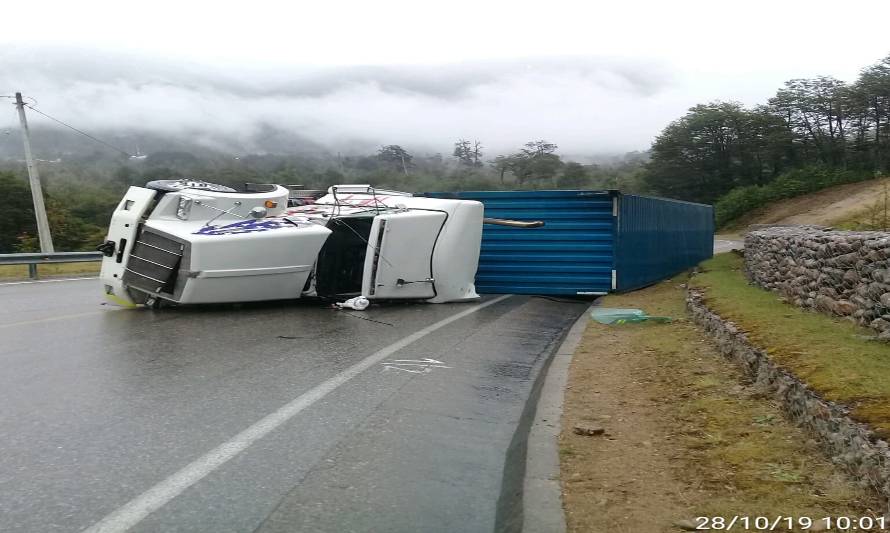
column 49, row 270
column 837, row 358
column 686, row 434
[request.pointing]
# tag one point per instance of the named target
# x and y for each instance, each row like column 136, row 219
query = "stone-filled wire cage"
column 845, row 273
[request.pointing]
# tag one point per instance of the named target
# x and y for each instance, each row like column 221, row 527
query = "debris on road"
column 588, row 430
column 608, row 315
column 359, row 303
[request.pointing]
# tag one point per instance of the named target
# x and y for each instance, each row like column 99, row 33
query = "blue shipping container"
column 592, row 242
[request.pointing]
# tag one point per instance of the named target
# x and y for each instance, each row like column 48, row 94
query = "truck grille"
column 154, row 262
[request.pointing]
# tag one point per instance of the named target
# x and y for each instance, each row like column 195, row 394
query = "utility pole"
column 46, row 239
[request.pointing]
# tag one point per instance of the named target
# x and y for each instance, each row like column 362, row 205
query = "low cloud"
column 587, row 105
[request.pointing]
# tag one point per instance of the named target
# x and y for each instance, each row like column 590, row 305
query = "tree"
column 467, row 153
column 714, row 148
column 573, row 175
column 70, row 234
column 873, row 87
column 395, row 156
column 93, row 205
column 860, row 127
column 502, row 164
column 363, row 163
column 818, row 122
column 183, row 162
column 814, row 110
column 539, row 148
column 127, row 176
column 17, row 215
column 535, row 161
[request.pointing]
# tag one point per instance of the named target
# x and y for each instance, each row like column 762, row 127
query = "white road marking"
column 425, row 370
column 60, row 317
column 44, row 281
column 426, row 365
column 149, row 501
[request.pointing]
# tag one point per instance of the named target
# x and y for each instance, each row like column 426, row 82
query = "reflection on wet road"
column 99, row 405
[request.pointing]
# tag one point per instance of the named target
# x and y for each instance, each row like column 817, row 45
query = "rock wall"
column 846, row 273
column 849, row 443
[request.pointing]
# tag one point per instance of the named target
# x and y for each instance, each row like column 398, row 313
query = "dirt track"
column 823, row 207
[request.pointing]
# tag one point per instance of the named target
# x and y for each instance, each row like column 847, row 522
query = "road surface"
column 727, row 244
column 269, row 417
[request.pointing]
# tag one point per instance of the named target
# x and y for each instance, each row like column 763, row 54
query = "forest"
column 83, row 189
column 813, row 133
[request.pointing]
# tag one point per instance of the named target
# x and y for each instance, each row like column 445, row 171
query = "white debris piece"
column 359, row 303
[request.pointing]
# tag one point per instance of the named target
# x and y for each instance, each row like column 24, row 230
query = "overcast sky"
column 592, row 77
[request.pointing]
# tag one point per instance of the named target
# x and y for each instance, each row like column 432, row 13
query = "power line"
column 85, row 134
column 13, row 97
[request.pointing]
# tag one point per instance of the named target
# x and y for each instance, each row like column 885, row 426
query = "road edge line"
column 542, row 490
column 51, row 280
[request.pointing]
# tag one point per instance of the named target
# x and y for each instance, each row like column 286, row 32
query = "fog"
column 587, row 105
column 593, row 77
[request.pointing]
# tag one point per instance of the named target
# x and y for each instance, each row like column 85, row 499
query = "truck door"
column 398, row 263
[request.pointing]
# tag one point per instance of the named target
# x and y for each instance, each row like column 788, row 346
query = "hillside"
column 852, row 206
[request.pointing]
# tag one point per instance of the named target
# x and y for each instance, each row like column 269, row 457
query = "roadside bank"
column 672, row 431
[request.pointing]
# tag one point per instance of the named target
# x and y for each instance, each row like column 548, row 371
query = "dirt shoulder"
column 826, row 207
column 685, row 434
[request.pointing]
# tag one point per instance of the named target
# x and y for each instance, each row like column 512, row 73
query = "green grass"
column 49, row 270
column 874, row 216
column 832, row 355
column 871, row 218
column 728, row 442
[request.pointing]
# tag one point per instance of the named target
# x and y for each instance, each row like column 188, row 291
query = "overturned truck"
column 192, row 242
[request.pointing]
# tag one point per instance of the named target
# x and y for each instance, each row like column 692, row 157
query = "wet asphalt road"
column 99, row 405
column 726, row 245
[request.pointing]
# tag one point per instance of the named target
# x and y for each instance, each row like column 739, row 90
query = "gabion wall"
column 849, row 443
column 844, row 273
